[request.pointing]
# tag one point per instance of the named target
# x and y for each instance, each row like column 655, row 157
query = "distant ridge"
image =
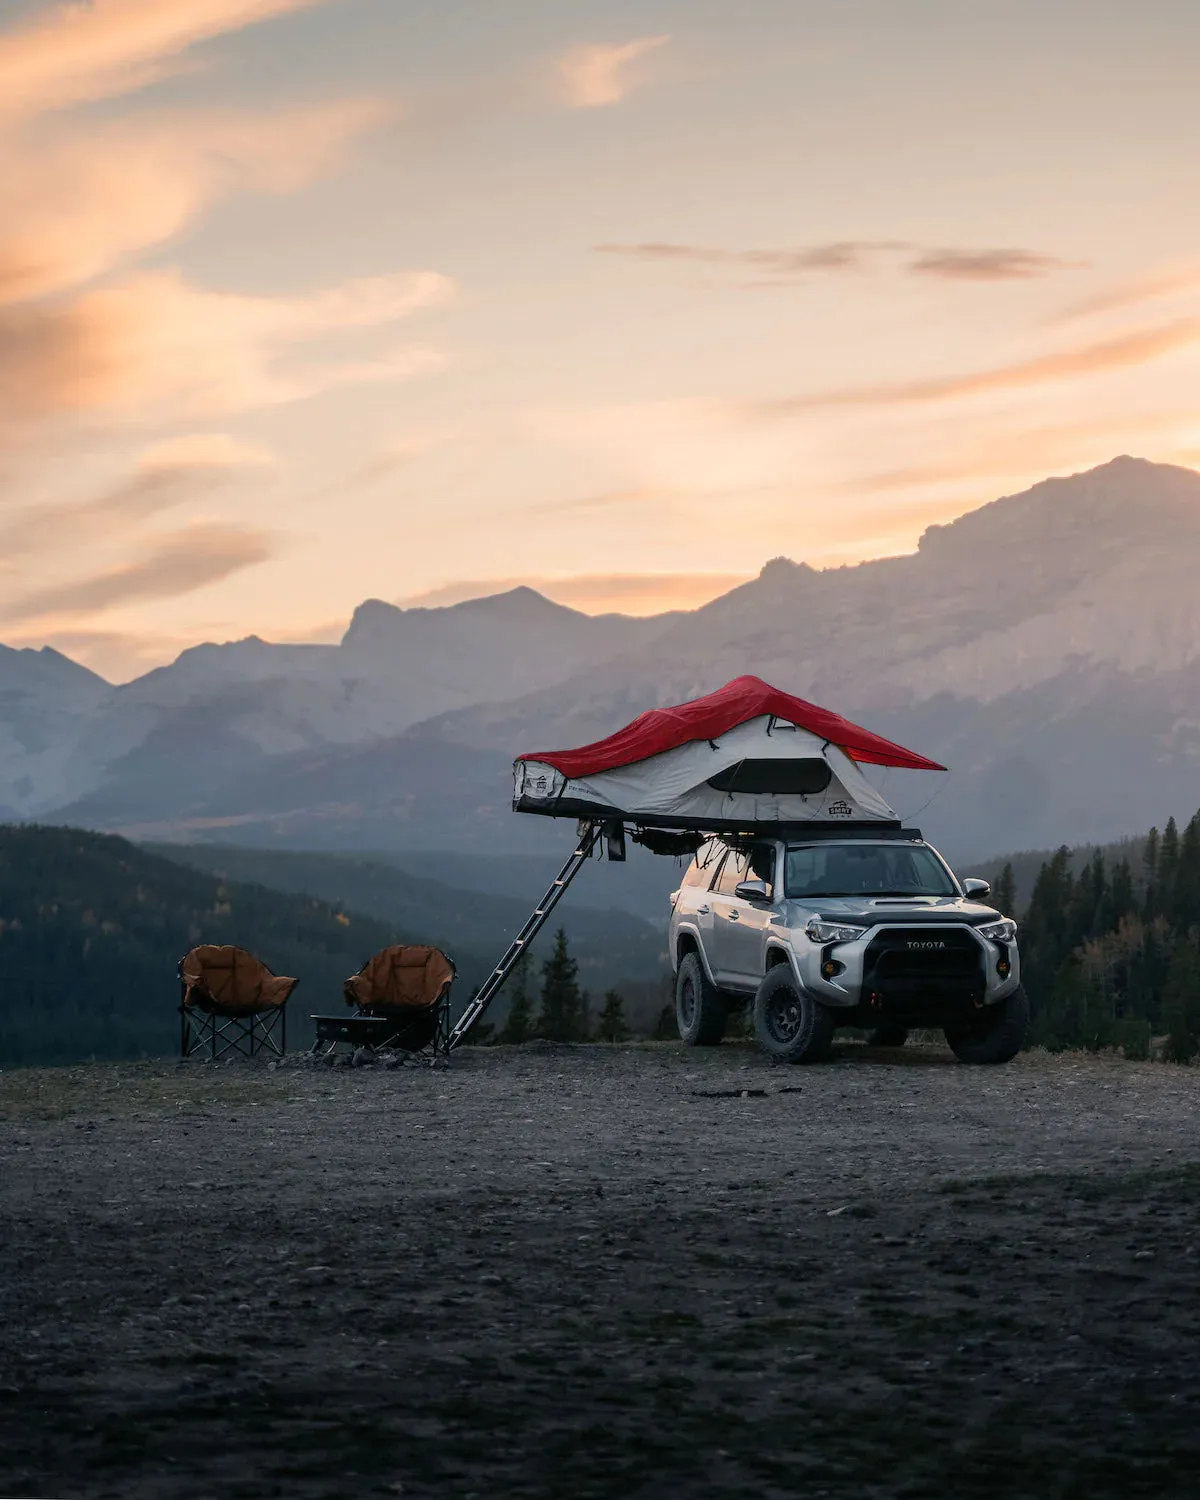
column 1045, row 646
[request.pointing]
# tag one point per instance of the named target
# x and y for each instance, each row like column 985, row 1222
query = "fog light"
column 1004, row 968
column 831, row 968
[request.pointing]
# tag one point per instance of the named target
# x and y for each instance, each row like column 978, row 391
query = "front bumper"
column 897, row 970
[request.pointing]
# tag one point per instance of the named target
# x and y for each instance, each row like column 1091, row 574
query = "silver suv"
column 873, row 931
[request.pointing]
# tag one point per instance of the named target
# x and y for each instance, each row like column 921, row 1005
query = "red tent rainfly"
column 743, row 755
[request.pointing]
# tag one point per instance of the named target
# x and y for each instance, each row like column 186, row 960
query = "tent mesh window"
column 780, row 778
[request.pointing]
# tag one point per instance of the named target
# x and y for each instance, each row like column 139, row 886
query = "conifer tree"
column 1150, row 906
column 612, row 1027
column 1121, row 891
column 1181, row 1001
column 562, row 1003
column 1185, row 902
column 1047, row 927
column 519, row 1025
column 1168, row 869
column 666, row 1028
column 1004, row 896
column 1096, row 913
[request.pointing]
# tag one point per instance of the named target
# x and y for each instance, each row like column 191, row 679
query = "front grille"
column 923, row 963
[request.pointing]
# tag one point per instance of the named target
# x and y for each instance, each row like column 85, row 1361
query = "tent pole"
column 589, row 835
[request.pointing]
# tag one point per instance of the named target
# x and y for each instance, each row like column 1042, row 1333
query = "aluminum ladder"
column 589, row 837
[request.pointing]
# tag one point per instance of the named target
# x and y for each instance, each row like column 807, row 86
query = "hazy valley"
column 1046, row 647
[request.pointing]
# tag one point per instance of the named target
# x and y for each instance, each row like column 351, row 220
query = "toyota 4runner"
column 872, row 931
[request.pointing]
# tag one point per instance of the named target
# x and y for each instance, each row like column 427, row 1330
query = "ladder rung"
column 498, row 975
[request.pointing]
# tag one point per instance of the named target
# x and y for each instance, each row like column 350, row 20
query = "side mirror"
column 752, row 890
column 977, row 888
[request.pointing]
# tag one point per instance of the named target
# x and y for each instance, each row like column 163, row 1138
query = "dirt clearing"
column 602, row 1272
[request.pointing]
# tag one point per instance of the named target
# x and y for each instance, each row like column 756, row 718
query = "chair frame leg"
column 245, row 1036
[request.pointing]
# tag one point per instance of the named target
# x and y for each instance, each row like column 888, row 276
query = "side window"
column 704, row 866
column 733, row 872
column 697, row 874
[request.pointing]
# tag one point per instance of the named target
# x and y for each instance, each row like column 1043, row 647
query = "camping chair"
column 229, row 1001
column 401, row 999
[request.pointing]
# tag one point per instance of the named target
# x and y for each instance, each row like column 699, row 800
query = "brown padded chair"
column 408, row 984
column 231, row 1001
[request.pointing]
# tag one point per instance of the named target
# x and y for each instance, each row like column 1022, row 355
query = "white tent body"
column 674, row 788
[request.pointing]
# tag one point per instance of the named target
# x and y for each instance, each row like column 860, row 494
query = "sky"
column 304, row 302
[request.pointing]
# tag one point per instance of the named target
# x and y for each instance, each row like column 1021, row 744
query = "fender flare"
column 696, row 945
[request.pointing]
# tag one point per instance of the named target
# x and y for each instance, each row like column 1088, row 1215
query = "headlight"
column 832, row 932
column 998, row 932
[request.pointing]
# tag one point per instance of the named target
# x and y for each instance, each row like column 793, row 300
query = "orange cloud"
column 1173, row 282
column 858, row 255
column 205, row 450
column 114, row 654
column 75, row 53
column 78, row 204
column 593, row 76
column 155, row 343
column 1024, row 453
column 989, row 265
column 168, row 474
column 595, row 593
column 1117, row 353
column 181, row 563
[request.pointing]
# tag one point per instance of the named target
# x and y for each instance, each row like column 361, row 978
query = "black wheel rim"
column 687, row 1003
column 784, row 1015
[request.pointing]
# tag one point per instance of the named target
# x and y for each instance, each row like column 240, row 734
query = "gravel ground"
column 602, row 1272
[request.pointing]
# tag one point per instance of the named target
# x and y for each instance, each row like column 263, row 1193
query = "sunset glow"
column 309, row 301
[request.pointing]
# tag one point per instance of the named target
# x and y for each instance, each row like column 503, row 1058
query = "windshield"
column 892, row 869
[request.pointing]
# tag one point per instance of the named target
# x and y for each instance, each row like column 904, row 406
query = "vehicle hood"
column 906, row 910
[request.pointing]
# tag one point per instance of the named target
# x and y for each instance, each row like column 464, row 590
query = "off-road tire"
column 700, row 1009
column 994, row 1034
column 887, row 1036
column 789, row 1024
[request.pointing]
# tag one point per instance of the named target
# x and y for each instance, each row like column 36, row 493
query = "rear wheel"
column 790, row 1025
column 700, row 1009
column 994, row 1034
column 887, row 1036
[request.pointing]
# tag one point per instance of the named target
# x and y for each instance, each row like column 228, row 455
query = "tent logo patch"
column 840, row 809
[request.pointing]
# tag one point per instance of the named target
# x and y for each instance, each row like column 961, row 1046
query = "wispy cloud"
column 180, row 563
column 75, row 53
column 1175, row 281
column 217, row 451
column 594, row 593
column 78, row 204
column 990, row 265
column 116, row 655
column 1097, row 358
column 593, row 76
column 154, row 344
column 169, row 474
column 858, row 255
column 835, row 255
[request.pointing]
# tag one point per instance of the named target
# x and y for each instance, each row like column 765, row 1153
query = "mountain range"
column 1046, row 647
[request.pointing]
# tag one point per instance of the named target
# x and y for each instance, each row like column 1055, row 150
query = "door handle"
column 733, row 916
column 702, row 911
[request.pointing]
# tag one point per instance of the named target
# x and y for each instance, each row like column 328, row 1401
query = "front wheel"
column 790, row 1025
column 994, row 1034
column 700, row 1010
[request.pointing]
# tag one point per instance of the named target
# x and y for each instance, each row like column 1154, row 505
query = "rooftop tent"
column 744, row 755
